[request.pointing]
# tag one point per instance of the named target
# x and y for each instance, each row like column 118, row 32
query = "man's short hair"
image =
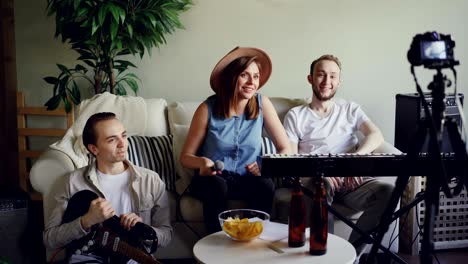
column 325, row 57
column 89, row 132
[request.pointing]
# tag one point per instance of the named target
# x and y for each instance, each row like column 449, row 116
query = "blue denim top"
column 236, row 141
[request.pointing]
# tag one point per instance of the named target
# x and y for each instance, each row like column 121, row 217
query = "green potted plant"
column 102, row 32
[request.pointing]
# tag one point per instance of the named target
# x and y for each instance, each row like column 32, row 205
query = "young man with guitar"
column 111, row 205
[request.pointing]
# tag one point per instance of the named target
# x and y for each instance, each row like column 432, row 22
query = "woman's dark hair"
column 227, row 96
column 89, row 132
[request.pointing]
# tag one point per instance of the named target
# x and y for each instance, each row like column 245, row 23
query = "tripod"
column 434, row 125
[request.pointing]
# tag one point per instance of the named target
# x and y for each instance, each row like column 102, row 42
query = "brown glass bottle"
column 297, row 216
column 318, row 219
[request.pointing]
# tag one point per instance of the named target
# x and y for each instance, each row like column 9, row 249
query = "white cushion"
column 156, row 124
column 184, row 175
column 282, row 105
column 181, row 113
column 180, row 116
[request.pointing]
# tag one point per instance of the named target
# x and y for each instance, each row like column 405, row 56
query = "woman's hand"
column 127, row 221
column 253, row 169
column 206, row 169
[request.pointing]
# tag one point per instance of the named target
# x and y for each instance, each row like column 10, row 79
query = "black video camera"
column 433, row 50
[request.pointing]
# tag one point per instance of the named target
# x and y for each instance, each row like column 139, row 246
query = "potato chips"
column 242, row 229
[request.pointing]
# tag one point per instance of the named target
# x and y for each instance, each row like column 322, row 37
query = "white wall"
column 371, row 37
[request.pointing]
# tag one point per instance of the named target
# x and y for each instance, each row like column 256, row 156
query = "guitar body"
column 110, row 238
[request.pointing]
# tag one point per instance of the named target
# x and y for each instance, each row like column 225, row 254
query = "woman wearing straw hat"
column 227, row 128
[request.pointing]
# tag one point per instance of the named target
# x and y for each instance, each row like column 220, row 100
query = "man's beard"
column 321, row 97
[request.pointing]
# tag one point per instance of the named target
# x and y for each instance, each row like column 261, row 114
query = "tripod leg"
column 436, row 180
column 431, row 211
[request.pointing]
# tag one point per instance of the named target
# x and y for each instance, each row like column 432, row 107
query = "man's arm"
column 293, row 147
column 161, row 215
column 56, row 234
column 373, row 138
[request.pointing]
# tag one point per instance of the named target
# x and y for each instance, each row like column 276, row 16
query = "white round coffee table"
column 218, row 248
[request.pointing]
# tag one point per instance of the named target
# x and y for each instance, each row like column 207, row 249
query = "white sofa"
column 154, row 118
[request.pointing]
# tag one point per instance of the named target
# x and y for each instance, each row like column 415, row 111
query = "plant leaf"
column 51, row 80
column 67, row 104
column 114, row 27
column 82, row 12
column 130, row 30
column 132, row 75
column 151, row 18
column 102, row 14
column 80, row 67
column 74, row 94
column 53, row 102
column 132, row 84
column 90, row 63
column 63, row 68
column 114, row 11
column 76, row 3
column 121, row 90
column 63, row 84
column 122, row 15
column 125, row 63
column 94, row 27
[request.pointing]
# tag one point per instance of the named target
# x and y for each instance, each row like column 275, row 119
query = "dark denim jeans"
column 215, row 191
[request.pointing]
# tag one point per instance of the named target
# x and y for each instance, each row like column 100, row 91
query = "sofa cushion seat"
column 191, row 208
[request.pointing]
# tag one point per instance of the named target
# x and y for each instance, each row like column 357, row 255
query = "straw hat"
column 237, row 52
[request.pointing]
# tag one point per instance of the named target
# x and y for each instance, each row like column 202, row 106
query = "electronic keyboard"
column 350, row 164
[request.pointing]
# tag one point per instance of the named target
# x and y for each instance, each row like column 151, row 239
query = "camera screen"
column 433, row 50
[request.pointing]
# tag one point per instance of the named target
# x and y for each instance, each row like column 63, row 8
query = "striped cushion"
column 269, row 148
column 154, row 153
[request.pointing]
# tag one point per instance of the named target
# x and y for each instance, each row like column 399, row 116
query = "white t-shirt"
column 335, row 133
column 116, row 189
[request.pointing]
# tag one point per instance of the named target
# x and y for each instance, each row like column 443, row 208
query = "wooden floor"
column 443, row 257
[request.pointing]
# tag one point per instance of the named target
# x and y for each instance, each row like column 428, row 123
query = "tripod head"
column 437, row 87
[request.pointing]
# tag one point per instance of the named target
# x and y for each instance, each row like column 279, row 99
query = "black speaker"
column 409, row 111
column 13, row 229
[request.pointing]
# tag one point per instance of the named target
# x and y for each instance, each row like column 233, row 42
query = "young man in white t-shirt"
column 329, row 126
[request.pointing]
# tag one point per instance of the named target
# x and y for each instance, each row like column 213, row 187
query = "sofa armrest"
column 46, row 174
column 51, row 165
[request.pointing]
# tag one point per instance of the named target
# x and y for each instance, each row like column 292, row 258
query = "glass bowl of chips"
column 243, row 224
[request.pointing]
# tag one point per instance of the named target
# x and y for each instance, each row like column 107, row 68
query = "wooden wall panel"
column 8, row 143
